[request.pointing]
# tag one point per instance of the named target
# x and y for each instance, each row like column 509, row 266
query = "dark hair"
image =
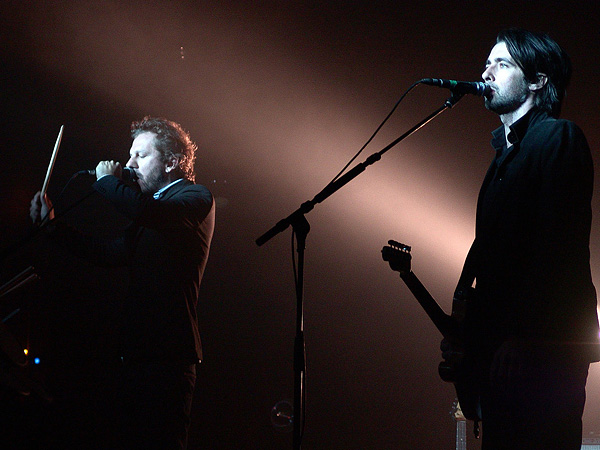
column 538, row 53
column 171, row 140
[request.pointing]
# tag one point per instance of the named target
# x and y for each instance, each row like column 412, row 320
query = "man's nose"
column 488, row 74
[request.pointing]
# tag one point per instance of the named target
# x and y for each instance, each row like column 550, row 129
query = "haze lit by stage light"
column 290, row 124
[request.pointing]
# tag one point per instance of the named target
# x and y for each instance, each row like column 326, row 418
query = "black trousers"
column 155, row 404
column 539, row 408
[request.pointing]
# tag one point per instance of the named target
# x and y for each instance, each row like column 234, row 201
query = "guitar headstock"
column 398, row 255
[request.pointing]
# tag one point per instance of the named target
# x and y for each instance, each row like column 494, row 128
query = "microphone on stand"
column 127, row 174
column 460, row 87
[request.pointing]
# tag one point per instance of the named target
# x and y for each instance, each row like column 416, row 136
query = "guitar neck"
column 461, row 435
column 440, row 319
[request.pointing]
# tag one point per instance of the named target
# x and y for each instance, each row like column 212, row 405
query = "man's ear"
column 541, row 80
column 172, row 163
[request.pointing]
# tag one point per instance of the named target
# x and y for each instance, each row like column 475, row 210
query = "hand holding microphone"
column 103, row 168
column 108, row 168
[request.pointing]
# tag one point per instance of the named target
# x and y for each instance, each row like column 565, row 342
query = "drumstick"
column 52, row 160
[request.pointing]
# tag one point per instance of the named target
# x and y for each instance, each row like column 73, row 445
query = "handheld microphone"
column 460, row 87
column 127, row 174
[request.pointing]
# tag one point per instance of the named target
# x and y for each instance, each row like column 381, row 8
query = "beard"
column 504, row 102
column 153, row 181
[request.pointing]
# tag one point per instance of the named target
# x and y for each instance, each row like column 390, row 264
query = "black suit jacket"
column 165, row 248
column 530, row 257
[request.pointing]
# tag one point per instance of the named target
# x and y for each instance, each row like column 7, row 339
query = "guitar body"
column 456, row 367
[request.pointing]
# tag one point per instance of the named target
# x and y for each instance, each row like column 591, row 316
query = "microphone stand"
column 301, row 227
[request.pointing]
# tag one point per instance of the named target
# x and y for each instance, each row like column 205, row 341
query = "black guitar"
column 454, row 368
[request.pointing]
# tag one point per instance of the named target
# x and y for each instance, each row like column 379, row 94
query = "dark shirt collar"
column 517, row 129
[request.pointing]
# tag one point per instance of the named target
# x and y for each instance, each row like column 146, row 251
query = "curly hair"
column 171, row 141
column 537, row 53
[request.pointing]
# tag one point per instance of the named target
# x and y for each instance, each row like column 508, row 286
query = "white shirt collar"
column 158, row 193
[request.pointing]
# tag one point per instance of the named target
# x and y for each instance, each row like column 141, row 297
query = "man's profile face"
column 147, row 163
column 509, row 87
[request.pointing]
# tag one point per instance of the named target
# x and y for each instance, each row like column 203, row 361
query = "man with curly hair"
column 165, row 248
